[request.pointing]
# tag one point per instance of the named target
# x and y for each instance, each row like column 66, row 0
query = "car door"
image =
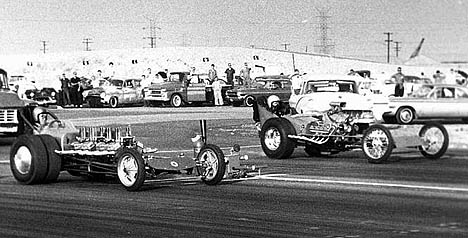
column 129, row 94
column 444, row 104
column 461, row 97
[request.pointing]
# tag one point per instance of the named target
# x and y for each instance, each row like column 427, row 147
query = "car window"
column 449, row 93
column 461, row 93
column 117, row 83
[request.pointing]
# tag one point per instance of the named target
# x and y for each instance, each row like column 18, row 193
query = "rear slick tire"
column 28, row 160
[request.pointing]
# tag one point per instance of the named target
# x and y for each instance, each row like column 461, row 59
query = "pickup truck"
column 10, row 105
column 181, row 88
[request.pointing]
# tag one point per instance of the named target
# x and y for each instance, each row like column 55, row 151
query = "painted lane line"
column 375, row 184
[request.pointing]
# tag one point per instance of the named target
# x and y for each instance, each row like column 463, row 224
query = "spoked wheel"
column 435, row 140
column 274, row 138
column 212, row 165
column 377, row 144
column 130, row 169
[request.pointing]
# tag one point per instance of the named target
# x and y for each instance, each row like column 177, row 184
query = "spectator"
column 110, row 71
column 65, row 90
column 439, row 77
column 212, row 74
column 245, row 75
column 296, row 82
column 75, row 82
column 217, row 91
column 351, row 72
column 398, row 79
column 451, row 77
column 230, row 75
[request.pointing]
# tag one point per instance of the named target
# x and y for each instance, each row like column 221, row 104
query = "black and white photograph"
column 234, row 118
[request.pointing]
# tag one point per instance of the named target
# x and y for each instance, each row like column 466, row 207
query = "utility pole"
column 285, row 45
column 44, row 44
column 388, row 40
column 87, row 41
column 152, row 33
column 397, row 47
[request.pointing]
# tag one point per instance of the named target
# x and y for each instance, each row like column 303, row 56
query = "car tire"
column 114, row 102
column 176, row 100
column 213, row 165
column 28, row 159
column 377, row 144
column 405, row 115
column 434, row 148
column 130, row 169
column 312, row 151
column 274, row 138
column 249, row 101
column 54, row 160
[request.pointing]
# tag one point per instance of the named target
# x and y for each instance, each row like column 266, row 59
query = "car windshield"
column 331, row 86
column 117, row 83
column 422, row 92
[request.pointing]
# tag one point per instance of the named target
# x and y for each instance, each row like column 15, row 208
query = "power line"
column 388, row 40
column 397, row 47
column 44, row 44
column 152, row 33
column 87, row 41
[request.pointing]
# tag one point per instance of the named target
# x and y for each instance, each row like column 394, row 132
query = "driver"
column 41, row 119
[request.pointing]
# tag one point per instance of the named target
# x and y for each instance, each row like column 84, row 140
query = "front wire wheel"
column 212, row 165
column 130, row 169
column 435, row 140
column 377, row 144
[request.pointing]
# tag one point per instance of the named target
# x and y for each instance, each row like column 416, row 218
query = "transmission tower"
column 152, row 33
column 86, row 42
column 325, row 44
column 44, row 44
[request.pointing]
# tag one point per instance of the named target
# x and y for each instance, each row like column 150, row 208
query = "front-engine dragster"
column 52, row 146
column 281, row 129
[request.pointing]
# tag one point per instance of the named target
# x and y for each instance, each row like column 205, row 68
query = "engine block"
column 103, row 138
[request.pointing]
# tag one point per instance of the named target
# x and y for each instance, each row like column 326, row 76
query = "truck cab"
column 10, row 105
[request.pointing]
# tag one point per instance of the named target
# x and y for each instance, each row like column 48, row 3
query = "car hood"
column 164, row 85
column 10, row 100
column 321, row 101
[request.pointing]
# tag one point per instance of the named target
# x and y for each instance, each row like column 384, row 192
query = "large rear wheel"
column 274, row 138
column 54, row 160
column 130, row 169
column 213, row 165
column 28, row 159
column 377, row 144
column 435, row 140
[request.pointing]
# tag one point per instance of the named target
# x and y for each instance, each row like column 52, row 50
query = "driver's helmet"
column 272, row 99
column 38, row 111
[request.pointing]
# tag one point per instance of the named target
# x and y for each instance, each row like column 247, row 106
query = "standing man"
column 230, row 74
column 75, row 90
column 399, row 87
column 217, row 91
column 245, row 75
column 212, row 74
column 65, row 86
column 296, row 82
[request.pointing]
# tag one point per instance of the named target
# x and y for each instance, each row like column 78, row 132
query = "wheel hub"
column 127, row 170
column 23, row 160
column 272, row 139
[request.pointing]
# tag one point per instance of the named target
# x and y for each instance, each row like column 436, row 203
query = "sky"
column 355, row 28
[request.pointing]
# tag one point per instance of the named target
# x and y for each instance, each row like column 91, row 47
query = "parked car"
column 43, row 97
column 279, row 85
column 180, row 89
column 441, row 101
column 116, row 92
column 318, row 91
column 410, row 83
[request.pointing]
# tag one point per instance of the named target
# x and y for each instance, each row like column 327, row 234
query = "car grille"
column 8, row 116
column 231, row 94
column 155, row 91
